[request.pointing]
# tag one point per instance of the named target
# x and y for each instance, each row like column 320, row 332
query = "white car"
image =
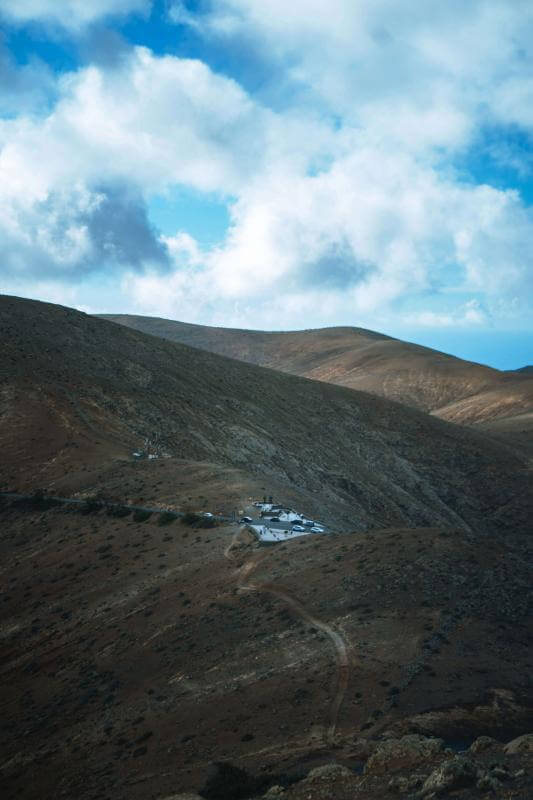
column 317, row 529
column 298, row 528
column 207, row 514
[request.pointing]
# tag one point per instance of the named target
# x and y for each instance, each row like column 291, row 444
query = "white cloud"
column 423, row 73
column 345, row 200
column 179, row 14
column 350, row 242
column 71, row 14
column 151, row 123
column 470, row 314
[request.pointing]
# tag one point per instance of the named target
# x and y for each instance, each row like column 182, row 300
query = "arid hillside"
column 449, row 387
column 81, row 394
column 134, row 653
column 137, row 649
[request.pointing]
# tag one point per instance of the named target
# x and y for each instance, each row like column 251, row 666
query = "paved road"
column 103, row 504
column 279, row 526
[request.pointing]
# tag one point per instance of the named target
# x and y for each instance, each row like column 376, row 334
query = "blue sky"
column 264, row 165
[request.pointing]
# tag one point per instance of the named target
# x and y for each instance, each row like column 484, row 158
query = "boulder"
column 409, row 751
column 185, row 796
column 483, row 743
column 522, row 744
column 328, row 771
column 457, row 773
column 361, row 749
column 488, row 783
column 274, row 793
column 401, row 785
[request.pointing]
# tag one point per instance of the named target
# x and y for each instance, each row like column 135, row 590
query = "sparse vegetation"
column 170, row 632
column 166, row 517
column 118, row 511
column 190, row 518
column 198, row 520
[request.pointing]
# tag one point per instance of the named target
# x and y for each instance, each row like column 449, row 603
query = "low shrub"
column 38, row 501
column 140, row 515
column 165, row 517
column 118, row 511
column 207, row 522
column 90, row 507
column 198, row 520
column 190, row 518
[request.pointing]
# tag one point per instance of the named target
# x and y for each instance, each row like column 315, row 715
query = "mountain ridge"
column 360, row 359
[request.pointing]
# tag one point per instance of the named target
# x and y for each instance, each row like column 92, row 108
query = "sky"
column 271, row 165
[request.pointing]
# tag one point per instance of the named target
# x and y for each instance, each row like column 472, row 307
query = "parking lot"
column 278, row 529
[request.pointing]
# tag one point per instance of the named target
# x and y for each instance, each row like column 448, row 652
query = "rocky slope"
column 136, row 654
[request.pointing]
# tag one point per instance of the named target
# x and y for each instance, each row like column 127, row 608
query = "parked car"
column 274, row 519
column 308, row 522
column 246, row 519
column 207, row 514
column 317, row 529
column 298, row 528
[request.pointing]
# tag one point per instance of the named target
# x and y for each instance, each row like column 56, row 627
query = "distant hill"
column 448, row 387
column 528, row 369
column 79, row 391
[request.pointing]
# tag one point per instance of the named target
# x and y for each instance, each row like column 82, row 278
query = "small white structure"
column 288, row 515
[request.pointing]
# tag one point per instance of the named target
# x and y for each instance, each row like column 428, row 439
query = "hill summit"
column 448, row 387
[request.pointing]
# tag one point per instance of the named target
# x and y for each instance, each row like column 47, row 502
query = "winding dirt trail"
column 342, row 655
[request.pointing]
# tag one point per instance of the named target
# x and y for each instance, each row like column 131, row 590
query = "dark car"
column 274, row 519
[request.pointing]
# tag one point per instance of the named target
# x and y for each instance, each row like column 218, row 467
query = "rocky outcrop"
column 185, row 796
column 522, row 744
column 457, row 773
column 483, row 743
column 502, row 713
column 409, row 751
column 274, row 792
column 329, row 771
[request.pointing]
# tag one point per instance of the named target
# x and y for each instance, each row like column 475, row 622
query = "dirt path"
column 282, row 593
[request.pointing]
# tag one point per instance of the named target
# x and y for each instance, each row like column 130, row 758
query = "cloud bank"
column 343, row 172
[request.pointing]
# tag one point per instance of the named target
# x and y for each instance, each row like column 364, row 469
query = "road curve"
column 282, row 593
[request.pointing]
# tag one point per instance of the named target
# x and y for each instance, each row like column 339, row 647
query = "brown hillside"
column 359, row 359
column 80, row 393
column 137, row 650
column 134, row 654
